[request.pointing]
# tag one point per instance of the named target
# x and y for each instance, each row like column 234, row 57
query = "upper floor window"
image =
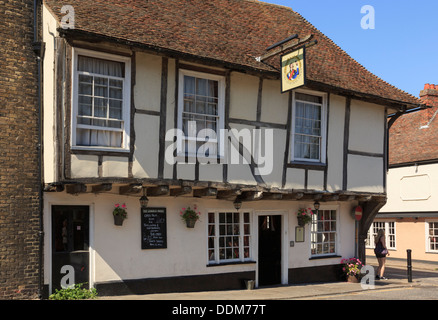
column 201, row 112
column 101, row 101
column 308, row 127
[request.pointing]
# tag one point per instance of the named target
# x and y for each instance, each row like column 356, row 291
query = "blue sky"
column 403, row 47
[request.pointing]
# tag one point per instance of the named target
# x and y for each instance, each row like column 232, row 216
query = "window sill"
column 220, row 264
column 325, row 257
column 97, row 150
column 307, row 165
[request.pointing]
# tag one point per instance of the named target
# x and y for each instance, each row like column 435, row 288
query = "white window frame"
column 220, row 109
column 316, row 255
column 126, row 109
column 323, row 139
column 427, row 226
column 382, row 225
column 217, row 260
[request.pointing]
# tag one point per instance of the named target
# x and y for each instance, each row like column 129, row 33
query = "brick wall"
column 19, row 209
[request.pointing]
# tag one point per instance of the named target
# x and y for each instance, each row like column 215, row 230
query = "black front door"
column 269, row 250
column 70, row 245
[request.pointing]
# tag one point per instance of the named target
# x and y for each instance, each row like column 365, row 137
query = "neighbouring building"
column 410, row 216
column 20, row 183
column 129, row 73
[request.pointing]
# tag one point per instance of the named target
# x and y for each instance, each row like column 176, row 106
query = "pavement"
column 423, row 274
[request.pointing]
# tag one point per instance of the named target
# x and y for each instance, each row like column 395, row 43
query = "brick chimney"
column 429, row 96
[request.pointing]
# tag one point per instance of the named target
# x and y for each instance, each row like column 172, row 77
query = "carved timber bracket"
column 370, row 210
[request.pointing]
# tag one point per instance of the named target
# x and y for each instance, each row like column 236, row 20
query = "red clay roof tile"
column 232, row 31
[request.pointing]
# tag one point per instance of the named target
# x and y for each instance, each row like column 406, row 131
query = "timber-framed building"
column 129, row 72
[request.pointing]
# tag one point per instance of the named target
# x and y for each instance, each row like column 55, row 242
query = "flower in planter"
column 304, row 216
column 120, row 210
column 351, row 267
column 189, row 214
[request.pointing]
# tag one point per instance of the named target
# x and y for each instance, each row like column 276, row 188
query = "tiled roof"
column 414, row 137
column 230, row 31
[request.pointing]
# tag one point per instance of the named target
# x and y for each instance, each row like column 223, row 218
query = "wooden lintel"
column 272, row 196
column 133, row 188
column 330, row 197
column 347, row 197
column 293, row 196
column 76, row 188
column 251, row 195
column 102, row 187
column 158, row 191
column 175, row 192
column 54, row 187
column 364, row 198
column 380, row 198
column 317, row 196
column 205, row 192
column 228, row 194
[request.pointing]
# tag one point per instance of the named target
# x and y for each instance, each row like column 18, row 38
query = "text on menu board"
column 153, row 228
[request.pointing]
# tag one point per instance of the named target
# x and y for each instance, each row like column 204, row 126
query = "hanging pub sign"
column 153, row 228
column 293, row 70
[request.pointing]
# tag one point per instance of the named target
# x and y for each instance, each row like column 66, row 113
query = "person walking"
column 381, row 252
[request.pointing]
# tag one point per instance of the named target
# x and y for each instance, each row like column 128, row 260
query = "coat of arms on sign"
column 293, row 70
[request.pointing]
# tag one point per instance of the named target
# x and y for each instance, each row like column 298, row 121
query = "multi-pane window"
column 390, row 234
column 101, row 101
column 201, row 112
column 432, row 237
column 229, row 236
column 323, row 232
column 308, row 143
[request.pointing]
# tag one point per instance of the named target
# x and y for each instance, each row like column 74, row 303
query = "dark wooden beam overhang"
column 207, row 190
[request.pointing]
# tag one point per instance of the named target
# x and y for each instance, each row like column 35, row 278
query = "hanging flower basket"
column 120, row 214
column 304, row 216
column 190, row 223
column 190, row 216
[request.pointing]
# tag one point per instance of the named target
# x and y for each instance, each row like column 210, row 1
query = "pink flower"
column 124, row 206
column 184, row 209
column 117, row 205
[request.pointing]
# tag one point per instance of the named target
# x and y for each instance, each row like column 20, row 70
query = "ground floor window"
column 323, row 232
column 432, row 236
column 390, row 233
column 229, row 236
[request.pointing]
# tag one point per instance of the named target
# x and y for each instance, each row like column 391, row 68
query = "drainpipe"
column 38, row 48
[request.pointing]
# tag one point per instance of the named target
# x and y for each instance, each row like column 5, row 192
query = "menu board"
column 153, row 228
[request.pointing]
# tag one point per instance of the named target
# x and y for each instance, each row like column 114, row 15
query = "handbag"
column 380, row 250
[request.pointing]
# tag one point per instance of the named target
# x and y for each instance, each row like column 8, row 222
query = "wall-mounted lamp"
column 144, row 200
column 316, row 205
column 237, row 203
